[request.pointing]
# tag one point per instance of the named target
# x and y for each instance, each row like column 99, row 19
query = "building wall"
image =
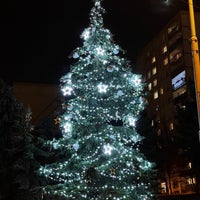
column 43, row 99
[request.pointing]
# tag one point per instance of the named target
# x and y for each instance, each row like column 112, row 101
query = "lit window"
column 164, row 49
column 165, row 61
column 178, row 55
column 175, row 55
column 183, row 107
column 174, row 28
column 149, row 86
column 161, row 91
column 149, row 74
column 157, row 108
column 190, row 165
column 179, row 80
column 153, row 59
column 154, row 70
column 163, row 186
column 171, row 126
column 155, row 95
column 191, row 181
column 155, row 82
column 179, row 91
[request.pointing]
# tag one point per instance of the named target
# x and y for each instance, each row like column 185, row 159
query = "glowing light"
column 100, row 51
column 55, row 144
column 166, row 2
column 86, row 34
column 131, row 120
column 107, row 149
column 98, row 124
column 76, row 146
column 135, row 80
column 116, row 51
column 120, row 93
column 75, row 55
column 67, row 127
column 102, row 88
column 69, row 75
column 67, row 90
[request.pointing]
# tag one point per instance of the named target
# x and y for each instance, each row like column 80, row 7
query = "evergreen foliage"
column 99, row 155
column 18, row 180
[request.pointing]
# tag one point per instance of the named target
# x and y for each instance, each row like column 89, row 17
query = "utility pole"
column 195, row 58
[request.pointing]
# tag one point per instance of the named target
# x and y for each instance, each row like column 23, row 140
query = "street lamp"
column 195, row 58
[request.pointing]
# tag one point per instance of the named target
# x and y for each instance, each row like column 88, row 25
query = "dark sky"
column 38, row 35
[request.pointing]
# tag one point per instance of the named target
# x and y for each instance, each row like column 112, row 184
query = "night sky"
column 38, row 35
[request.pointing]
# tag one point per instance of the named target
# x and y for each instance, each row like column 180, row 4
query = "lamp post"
column 195, row 58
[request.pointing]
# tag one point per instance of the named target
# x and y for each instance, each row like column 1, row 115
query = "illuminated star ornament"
column 86, row 34
column 102, row 88
column 108, row 149
column 137, row 81
column 100, row 51
column 67, row 90
column 131, row 121
column 67, row 127
column 57, row 120
column 112, row 171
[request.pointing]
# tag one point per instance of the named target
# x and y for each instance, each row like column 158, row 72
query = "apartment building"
column 166, row 65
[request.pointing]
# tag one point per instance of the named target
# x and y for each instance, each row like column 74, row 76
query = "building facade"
column 42, row 99
column 166, row 66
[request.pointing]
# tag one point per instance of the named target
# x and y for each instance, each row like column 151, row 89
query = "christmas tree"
column 101, row 158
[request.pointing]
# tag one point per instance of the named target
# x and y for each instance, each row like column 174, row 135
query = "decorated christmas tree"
column 101, row 158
